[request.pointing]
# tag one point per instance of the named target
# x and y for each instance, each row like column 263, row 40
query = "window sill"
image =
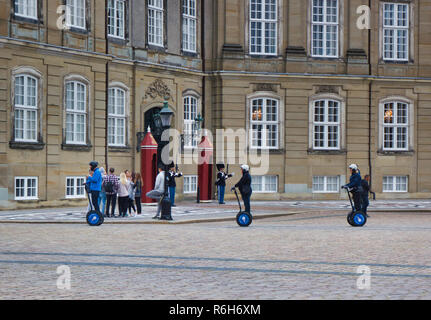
column 119, row 149
column 156, row 48
column 270, row 151
column 407, row 153
column 117, row 40
column 26, row 145
column 80, row 31
column 189, row 54
column 21, row 19
column 77, row 148
column 396, row 62
column 327, row 152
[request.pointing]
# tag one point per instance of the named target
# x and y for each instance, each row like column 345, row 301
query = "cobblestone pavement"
column 309, row 256
column 191, row 210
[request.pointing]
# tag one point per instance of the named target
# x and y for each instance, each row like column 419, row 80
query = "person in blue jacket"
column 94, row 181
column 355, row 186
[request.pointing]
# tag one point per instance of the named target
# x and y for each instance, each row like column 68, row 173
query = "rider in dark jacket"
column 355, row 186
column 244, row 186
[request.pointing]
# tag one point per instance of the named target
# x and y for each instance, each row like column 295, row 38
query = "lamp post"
column 166, row 118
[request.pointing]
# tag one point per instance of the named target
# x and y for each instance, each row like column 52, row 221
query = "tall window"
column 326, row 125
column 75, row 13
column 326, row 184
column 75, row 187
column 191, row 137
column 395, row 184
column 116, row 18
column 325, row 28
column 396, row 126
column 155, row 22
column 25, row 108
column 117, row 117
column 264, row 123
column 26, row 8
column 26, row 188
column 76, row 112
column 395, row 31
column 189, row 25
column 263, row 27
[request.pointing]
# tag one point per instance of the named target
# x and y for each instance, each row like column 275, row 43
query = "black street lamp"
column 166, row 115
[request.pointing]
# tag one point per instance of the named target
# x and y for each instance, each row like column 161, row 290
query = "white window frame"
column 26, row 8
column 26, row 188
column 117, row 19
column 155, row 23
column 325, row 24
column 73, row 17
column 395, row 125
column 263, row 21
column 325, row 184
column 395, row 182
column 120, row 139
column 264, row 183
column 326, row 124
column 74, row 188
column 191, row 133
column 264, row 123
column 395, row 28
column 190, row 184
column 189, row 25
column 75, row 112
column 28, row 134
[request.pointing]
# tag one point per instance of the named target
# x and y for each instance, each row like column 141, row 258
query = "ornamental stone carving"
column 158, row 89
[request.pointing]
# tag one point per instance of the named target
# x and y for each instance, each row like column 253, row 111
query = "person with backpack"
column 111, row 185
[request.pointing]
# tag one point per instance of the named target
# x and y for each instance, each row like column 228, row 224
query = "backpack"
column 109, row 187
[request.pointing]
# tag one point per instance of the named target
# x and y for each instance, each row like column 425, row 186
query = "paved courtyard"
column 313, row 255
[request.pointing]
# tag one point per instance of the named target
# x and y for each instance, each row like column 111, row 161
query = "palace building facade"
column 316, row 84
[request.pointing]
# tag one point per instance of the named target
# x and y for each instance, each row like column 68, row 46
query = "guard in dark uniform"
column 221, row 182
column 172, row 184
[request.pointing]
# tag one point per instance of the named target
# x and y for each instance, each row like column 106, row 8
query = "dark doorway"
column 152, row 119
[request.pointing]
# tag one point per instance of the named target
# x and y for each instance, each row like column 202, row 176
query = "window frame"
column 395, row 125
column 194, row 132
column 190, row 177
column 116, row 116
column 263, row 21
column 264, row 124
column 156, row 9
column 394, row 184
column 190, row 34
column 264, row 183
column 24, row 15
column 325, row 24
column 26, row 108
column 395, row 28
column 26, row 188
column 326, row 124
column 115, row 10
column 75, row 188
column 325, row 184
column 76, row 112
column 72, row 5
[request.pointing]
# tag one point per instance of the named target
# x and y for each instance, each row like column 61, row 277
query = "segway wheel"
column 359, row 219
column 350, row 219
column 94, row 218
column 244, row 219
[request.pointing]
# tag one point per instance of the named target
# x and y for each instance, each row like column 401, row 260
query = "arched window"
column 395, row 126
column 76, row 112
column 26, row 108
column 117, row 117
column 264, row 123
column 191, row 138
column 326, row 124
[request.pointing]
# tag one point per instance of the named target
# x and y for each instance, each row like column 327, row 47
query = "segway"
column 244, row 219
column 94, row 218
column 355, row 218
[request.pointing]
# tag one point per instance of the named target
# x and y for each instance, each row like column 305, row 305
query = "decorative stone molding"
column 158, row 88
column 327, row 89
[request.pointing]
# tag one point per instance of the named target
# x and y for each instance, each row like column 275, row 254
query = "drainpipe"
column 370, row 88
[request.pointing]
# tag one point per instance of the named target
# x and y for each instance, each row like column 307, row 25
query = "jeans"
column 95, row 200
column 221, row 191
column 111, row 199
column 246, row 199
column 123, row 204
column 102, row 200
column 172, row 191
column 138, row 204
column 365, row 203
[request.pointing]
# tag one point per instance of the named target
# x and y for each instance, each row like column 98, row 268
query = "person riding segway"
column 92, row 187
column 244, row 218
column 355, row 218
